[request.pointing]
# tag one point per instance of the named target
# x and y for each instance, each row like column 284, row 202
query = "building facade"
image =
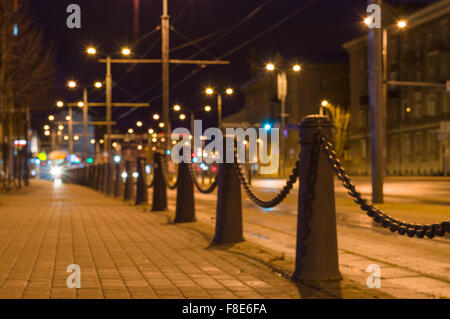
column 417, row 117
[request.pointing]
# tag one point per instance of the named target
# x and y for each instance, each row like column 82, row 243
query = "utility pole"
column 85, row 124
column 165, row 68
column 219, row 110
column 377, row 123
column 70, row 131
column 108, row 106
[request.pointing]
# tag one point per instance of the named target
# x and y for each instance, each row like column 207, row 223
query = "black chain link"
column 386, row 221
column 278, row 198
column 211, row 187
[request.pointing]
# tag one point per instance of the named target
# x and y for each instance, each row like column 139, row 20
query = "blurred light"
column 60, row 127
column 176, row 107
column 46, row 127
column 47, row 133
column 324, row 103
column 60, row 104
column 91, row 50
column 182, row 116
column 174, row 142
column 150, row 131
column 154, row 148
column 245, row 142
column 229, row 91
column 168, row 152
column 89, row 160
column 72, row 84
column 296, row 68
column 207, row 108
column 139, row 124
column 209, row 91
column 267, row 127
column 101, row 141
column 92, row 141
column 161, row 124
column 270, row 67
column 408, row 109
column 402, row 24
column 33, row 172
column 163, row 140
column 139, row 147
column 55, row 171
column 116, row 159
column 80, row 104
column 124, row 175
column 114, row 144
column 154, row 140
column 148, row 169
column 126, row 51
column 156, row 116
column 98, row 84
column 130, row 131
column 76, row 137
column 51, row 117
column 59, row 133
column 66, row 138
column 195, row 159
column 68, row 118
column 135, row 174
column 367, row 20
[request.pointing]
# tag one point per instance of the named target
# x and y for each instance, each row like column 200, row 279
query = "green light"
column 89, row 160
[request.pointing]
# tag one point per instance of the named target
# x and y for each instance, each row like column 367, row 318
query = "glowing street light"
column 176, row 107
column 76, row 137
column 209, row 91
column 229, row 91
column 270, row 67
column 80, row 104
column 296, row 67
column 139, row 124
column 324, row 103
column 72, row 84
column 91, row 51
column 68, row 118
column 126, row 51
column 140, row 147
column 130, row 131
column 60, row 127
column 402, row 24
column 92, row 141
column 114, row 144
column 156, row 116
column 182, row 116
column 101, row 141
column 60, row 104
column 150, row 131
column 367, row 20
column 207, row 108
column 66, row 137
column 51, row 118
column 47, row 133
column 161, row 124
column 98, row 84
column 46, row 127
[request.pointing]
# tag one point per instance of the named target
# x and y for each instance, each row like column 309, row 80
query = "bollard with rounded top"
column 159, row 202
column 141, row 184
column 185, row 210
column 108, row 172
column 128, row 189
column 229, row 205
column 316, row 255
column 117, row 180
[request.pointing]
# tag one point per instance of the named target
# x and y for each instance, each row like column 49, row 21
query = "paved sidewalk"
column 122, row 250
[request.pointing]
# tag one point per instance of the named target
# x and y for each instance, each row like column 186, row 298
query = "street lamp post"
column 108, row 86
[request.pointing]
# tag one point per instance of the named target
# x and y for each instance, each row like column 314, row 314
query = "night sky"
column 314, row 34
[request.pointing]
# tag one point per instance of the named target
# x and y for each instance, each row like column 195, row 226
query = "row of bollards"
column 316, row 253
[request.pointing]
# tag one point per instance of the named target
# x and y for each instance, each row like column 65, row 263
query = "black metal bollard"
column 108, row 179
column 159, row 202
column 141, row 183
column 316, row 255
column 185, row 210
column 229, row 227
column 117, row 180
column 128, row 190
